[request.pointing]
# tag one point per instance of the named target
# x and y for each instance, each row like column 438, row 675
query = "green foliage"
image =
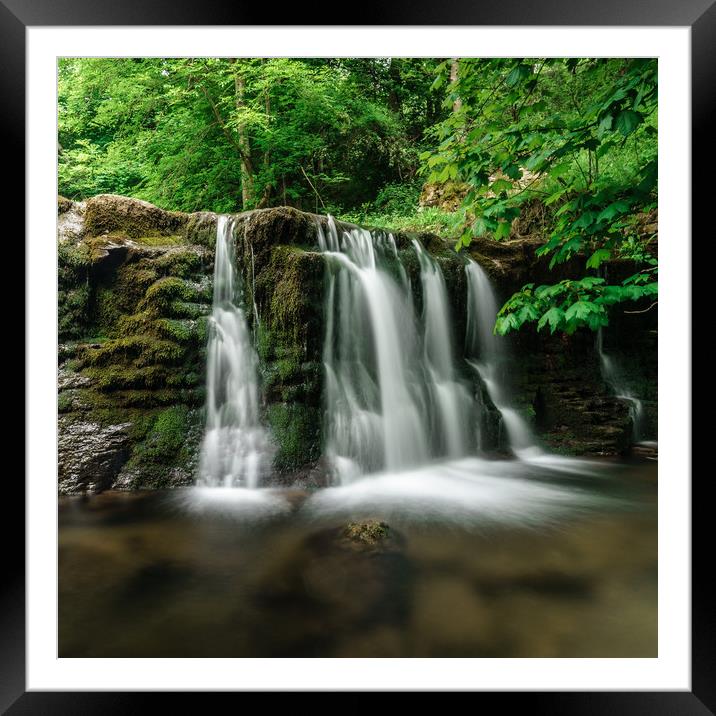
column 578, row 133
column 570, row 304
column 425, row 219
column 221, row 134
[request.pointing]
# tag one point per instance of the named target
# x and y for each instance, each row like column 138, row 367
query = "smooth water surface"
column 545, row 558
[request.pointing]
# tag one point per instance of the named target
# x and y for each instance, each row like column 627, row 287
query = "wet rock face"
column 70, row 220
column 90, row 454
column 132, row 326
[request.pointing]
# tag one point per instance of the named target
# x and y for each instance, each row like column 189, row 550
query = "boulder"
column 90, row 455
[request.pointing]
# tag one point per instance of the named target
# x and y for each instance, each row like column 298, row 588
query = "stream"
column 546, row 558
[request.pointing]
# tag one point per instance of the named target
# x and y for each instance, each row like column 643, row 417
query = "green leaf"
column 617, row 207
column 605, row 125
column 503, row 230
column 599, row 256
column 584, row 221
column 554, row 317
column 500, row 185
column 580, row 310
column 517, row 74
column 479, row 227
column 627, row 121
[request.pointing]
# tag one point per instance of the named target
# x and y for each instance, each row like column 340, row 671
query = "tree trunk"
column 454, row 67
column 247, row 175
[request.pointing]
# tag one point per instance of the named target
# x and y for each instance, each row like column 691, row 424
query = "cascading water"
column 454, row 412
column 485, row 354
column 614, row 380
column 375, row 393
column 394, row 396
column 236, row 451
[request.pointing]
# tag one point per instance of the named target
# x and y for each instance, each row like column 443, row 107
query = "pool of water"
column 548, row 557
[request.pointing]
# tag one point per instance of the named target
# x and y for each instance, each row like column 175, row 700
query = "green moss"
column 74, row 290
column 73, row 261
column 119, row 377
column 181, row 331
column 296, row 430
column 201, row 229
column 369, row 532
column 106, row 309
column 139, row 350
column 131, row 283
column 122, row 400
column 108, row 213
column 163, row 294
column 171, row 240
column 170, row 441
column 166, row 436
column 182, row 264
column 64, row 402
column 288, row 291
column 73, row 312
column 266, row 343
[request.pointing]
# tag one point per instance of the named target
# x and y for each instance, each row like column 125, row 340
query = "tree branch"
column 220, row 122
column 645, row 310
column 312, row 187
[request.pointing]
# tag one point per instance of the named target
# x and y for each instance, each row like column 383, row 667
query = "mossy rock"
column 289, row 296
column 73, row 312
column 296, row 429
column 63, row 204
column 167, row 453
column 200, row 229
column 367, row 532
column 107, row 213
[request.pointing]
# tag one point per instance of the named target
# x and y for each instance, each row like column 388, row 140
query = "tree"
column 581, row 135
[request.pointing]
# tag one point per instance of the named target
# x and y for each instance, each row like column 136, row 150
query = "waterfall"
column 236, row 450
column 485, row 354
column 375, row 398
column 454, row 413
column 613, row 378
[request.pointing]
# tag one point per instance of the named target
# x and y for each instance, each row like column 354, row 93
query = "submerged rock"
column 369, row 533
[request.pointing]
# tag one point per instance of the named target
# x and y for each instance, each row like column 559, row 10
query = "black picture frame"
column 699, row 15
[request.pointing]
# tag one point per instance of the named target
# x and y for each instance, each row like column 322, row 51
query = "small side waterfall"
column 485, row 354
column 613, row 378
column 236, row 451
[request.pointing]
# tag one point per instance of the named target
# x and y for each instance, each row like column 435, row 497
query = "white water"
column 236, row 451
column 468, row 493
column 484, row 352
column 374, row 393
column 395, row 399
column 454, row 412
column 612, row 376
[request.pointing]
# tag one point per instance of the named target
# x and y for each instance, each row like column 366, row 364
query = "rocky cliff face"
column 134, row 296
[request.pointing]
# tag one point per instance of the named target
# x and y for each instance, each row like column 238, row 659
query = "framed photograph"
column 347, row 363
